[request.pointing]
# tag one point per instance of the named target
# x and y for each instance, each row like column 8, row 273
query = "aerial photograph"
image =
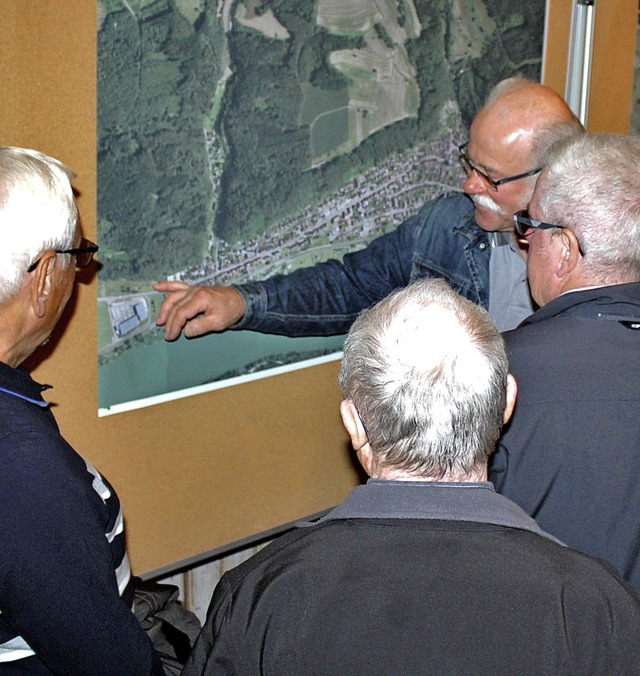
column 243, row 139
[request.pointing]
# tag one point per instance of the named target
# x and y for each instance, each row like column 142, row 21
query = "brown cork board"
column 199, row 473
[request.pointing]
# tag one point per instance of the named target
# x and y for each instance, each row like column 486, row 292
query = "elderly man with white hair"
column 425, row 569
column 65, row 584
column 571, row 454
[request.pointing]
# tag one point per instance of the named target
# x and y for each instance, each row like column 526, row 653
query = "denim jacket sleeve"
column 441, row 240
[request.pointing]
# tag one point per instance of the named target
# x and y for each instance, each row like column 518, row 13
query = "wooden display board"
column 199, row 473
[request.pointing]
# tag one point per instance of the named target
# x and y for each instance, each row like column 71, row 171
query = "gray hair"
column 509, row 84
column 592, row 185
column 37, row 212
column 550, row 134
column 426, row 369
column 561, row 125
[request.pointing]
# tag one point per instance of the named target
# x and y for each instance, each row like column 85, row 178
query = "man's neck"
column 478, row 475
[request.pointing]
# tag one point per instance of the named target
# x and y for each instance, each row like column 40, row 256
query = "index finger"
column 169, row 285
column 176, row 291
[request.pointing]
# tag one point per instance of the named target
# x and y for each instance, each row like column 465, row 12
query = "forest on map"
column 159, row 73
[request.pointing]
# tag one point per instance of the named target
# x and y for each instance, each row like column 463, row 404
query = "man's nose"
column 473, row 184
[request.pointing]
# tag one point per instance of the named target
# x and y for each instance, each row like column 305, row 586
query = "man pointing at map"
column 465, row 238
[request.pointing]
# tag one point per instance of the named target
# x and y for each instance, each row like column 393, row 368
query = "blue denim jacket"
column 441, row 240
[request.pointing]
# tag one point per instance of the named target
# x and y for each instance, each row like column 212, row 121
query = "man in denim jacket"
column 466, row 239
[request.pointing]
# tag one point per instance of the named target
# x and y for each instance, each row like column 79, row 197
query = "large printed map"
column 241, row 139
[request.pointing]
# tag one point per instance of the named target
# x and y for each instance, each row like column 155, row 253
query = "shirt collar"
column 18, row 382
column 474, row 502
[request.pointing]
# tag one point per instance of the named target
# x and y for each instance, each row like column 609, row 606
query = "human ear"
column 353, row 424
column 569, row 254
column 42, row 283
column 512, row 393
column 359, row 439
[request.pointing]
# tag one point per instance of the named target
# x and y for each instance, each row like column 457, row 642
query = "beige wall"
column 201, row 472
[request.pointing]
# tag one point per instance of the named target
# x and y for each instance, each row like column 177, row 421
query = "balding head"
column 509, row 140
column 531, row 112
column 426, row 371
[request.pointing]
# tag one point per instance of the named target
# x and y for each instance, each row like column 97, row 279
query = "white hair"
column 592, row 185
column 38, row 211
column 427, row 370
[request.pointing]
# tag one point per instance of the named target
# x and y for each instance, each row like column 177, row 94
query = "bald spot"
column 421, row 339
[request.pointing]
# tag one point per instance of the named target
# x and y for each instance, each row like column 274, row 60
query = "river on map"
column 159, row 368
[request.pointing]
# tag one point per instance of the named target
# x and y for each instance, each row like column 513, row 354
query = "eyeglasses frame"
column 522, row 218
column 491, row 182
column 88, row 247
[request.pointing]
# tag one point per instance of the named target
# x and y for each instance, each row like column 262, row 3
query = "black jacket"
column 571, row 455
column 414, row 578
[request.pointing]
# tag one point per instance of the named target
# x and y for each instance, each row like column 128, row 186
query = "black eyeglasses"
column 83, row 253
column 468, row 167
column 525, row 224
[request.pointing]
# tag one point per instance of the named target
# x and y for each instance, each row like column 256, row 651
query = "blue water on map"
column 161, row 367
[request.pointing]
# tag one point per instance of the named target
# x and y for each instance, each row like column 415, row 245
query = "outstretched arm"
column 196, row 310
column 320, row 300
column 325, row 299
